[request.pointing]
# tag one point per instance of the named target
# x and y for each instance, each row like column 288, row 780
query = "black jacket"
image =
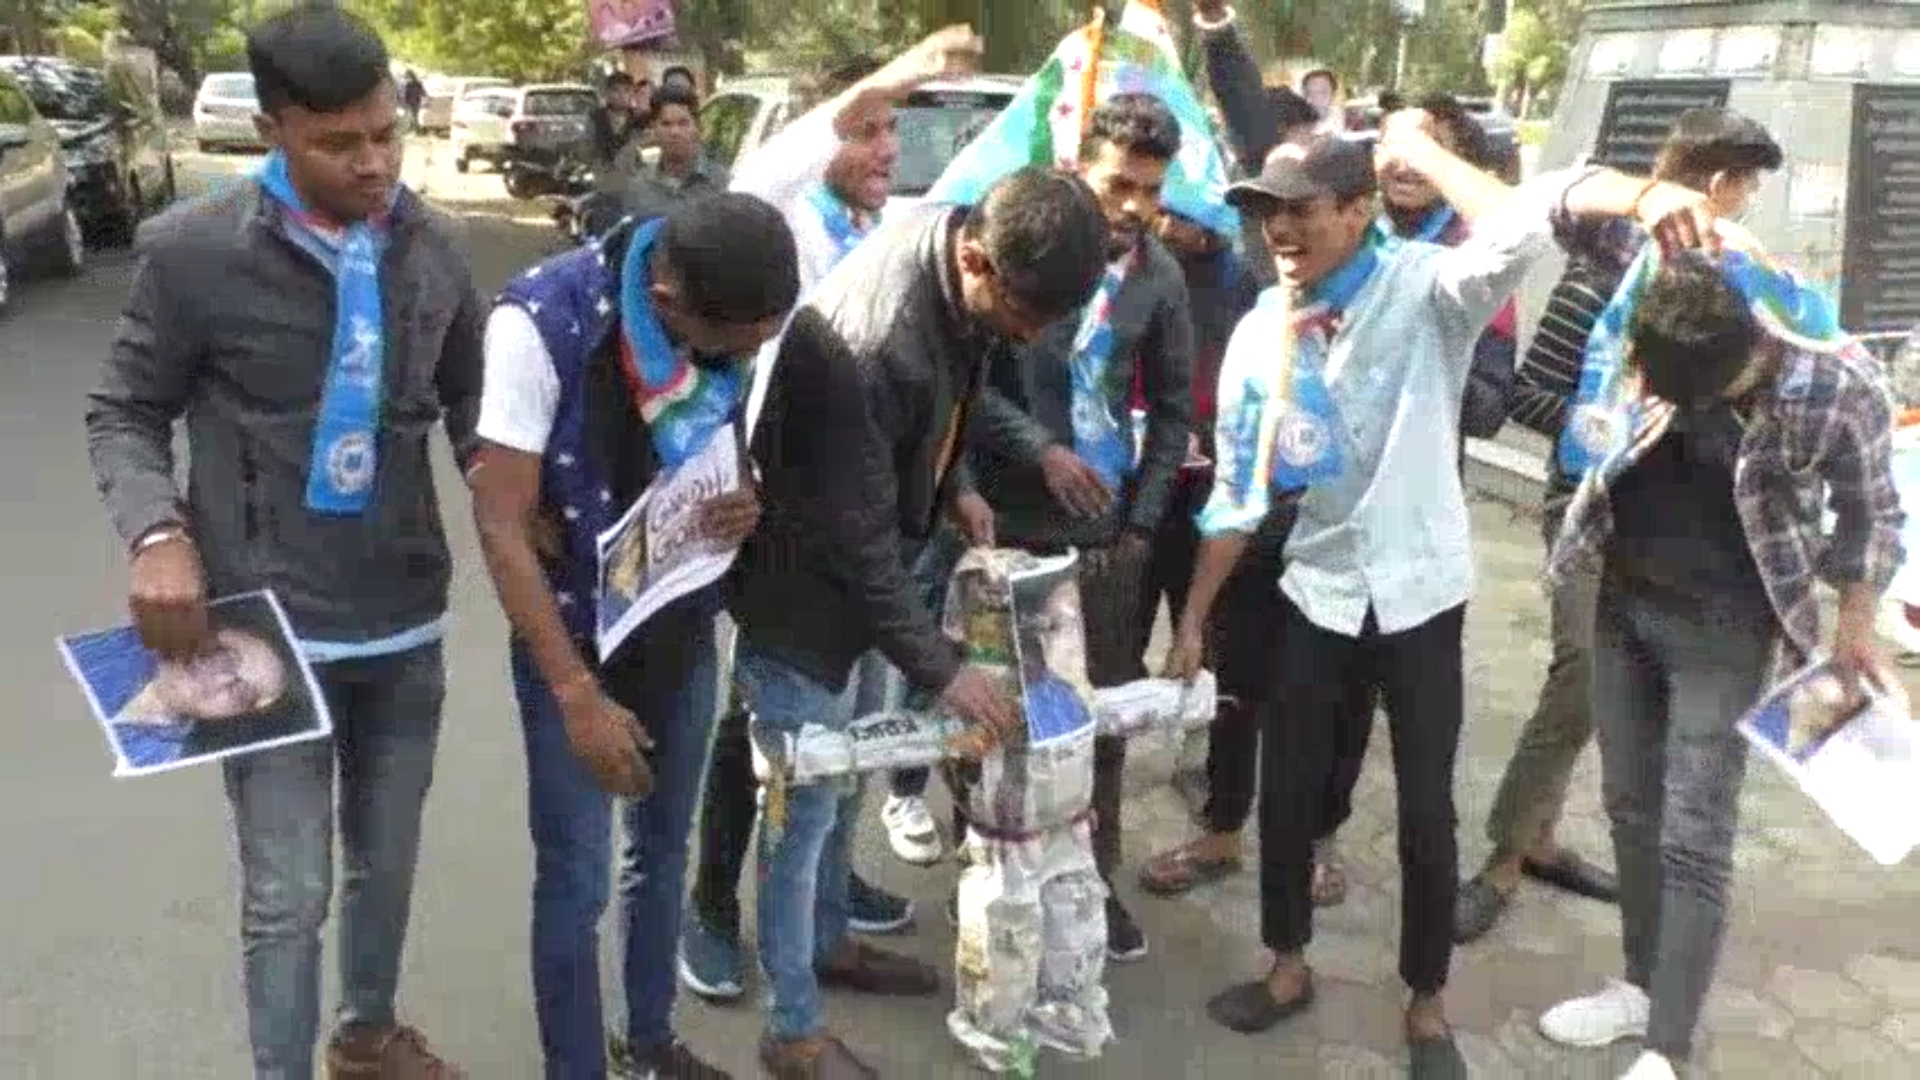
column 1027, row 407
column 875, row 366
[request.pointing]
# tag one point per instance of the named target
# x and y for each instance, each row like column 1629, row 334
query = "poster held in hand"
column 251, row 690
column 1855, row 752
column 657, row 552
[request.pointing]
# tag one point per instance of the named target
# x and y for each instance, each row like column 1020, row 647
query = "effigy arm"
column 905, row 739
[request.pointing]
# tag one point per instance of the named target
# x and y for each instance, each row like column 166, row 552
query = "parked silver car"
column 444, row 93
column 38, row 227
column 223, row 112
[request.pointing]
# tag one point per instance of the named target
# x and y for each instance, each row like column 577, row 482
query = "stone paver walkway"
column 1821, row 975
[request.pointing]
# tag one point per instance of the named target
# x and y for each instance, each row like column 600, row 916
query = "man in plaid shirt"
column 1709, row 533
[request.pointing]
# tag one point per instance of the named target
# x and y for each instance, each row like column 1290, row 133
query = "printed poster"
column 656, row 553
column 620, row 24
column 251, row 691
column 1854, row 751
column 1050, row 648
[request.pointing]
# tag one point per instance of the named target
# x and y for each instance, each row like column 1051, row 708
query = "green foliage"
column 522, row 39
column 543, row 39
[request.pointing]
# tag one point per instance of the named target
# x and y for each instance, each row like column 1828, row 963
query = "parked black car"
column 114, row 139
column 38, row 230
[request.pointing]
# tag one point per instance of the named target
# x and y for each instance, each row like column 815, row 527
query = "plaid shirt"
column 1822, row 425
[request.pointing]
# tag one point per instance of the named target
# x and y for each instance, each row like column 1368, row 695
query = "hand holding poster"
column 618, row 24
column 250, row 690
column 1855, row 753
column 658, row 551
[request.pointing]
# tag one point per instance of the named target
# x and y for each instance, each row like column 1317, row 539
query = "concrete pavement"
column 119, row 958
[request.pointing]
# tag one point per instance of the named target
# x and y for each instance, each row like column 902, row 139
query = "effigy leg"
column 997, row 954
column 1070, row 1013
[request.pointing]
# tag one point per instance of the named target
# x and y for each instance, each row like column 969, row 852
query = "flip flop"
column 1180, row 871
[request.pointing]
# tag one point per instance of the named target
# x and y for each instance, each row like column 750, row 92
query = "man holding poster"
column 609, row 370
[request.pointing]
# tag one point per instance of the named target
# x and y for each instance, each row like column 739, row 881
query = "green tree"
column 1534, row 50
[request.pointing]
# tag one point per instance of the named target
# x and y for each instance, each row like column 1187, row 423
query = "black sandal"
column 1250, row 1008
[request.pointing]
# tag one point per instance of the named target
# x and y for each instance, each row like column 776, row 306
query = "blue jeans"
column 805, row 860
column 386, row 717
column 668, row 678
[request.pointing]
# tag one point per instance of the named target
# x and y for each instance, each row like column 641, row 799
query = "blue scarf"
column 842, row 229
column 1284, row 431
column 1098, row 438
column 1431, row 228
column 1610, row 409
column 345, row 456
column 683, row 403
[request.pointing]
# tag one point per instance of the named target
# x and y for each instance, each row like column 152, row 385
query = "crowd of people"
column 924, row 391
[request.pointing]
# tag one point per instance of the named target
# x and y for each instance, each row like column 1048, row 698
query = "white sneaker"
column 1618, row 1012
column 911, row 831
column 1651, row 1066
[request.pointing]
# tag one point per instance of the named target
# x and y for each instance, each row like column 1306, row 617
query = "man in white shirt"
column 1379, row 565
column 606, row 368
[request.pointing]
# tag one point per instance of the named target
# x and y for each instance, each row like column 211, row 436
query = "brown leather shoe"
column 396, row 1053
column 823, row 1057
column 864, row 969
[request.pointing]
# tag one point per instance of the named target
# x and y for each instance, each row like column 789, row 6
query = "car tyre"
column 462, row 163
column 70, row 247
column 519, row 184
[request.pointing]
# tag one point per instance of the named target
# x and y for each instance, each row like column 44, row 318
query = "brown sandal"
column 1180, row 871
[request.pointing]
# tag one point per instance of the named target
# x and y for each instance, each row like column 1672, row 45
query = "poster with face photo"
column 249, row 690
column 1050, row 645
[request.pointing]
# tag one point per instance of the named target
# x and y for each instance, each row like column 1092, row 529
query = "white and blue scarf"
column 843, row 228
column 1098, row 437
column 346, row 435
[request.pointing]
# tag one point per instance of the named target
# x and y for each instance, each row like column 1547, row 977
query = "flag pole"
column 1096, row 32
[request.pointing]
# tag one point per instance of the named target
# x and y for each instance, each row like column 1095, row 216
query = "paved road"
column 119, row 956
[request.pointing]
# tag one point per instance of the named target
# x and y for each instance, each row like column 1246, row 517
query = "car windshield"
column 230, row 87
column 65, row 93
column 558, row 103
column 934, row 126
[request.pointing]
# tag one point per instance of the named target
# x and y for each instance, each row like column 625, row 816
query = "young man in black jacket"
column 857, row 449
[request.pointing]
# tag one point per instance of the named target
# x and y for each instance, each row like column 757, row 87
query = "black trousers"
column 1242, row 632
column 726, row 821
column 1417, row 673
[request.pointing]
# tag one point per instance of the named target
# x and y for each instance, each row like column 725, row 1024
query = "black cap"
column 1296, row 172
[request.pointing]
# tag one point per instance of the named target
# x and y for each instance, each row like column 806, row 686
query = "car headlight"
column 95, row 151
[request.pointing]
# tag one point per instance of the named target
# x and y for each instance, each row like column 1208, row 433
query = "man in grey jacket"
column 312, row 327
column 1036, row 444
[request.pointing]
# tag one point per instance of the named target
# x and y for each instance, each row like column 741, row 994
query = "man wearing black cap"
column 1379, row 565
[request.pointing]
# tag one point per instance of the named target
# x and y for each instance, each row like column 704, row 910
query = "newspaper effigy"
column 1030, row 960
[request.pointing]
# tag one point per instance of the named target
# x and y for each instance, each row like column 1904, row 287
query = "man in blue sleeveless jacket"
column 607, row 367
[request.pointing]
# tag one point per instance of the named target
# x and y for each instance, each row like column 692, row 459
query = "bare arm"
column 506, row 499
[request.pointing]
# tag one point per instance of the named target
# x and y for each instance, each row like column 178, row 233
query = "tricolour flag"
column 1043, row 123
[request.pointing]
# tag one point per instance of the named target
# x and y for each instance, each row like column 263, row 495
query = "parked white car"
column 935, row 122
column 223, row 112
column 537, row 124
column 444, row 93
